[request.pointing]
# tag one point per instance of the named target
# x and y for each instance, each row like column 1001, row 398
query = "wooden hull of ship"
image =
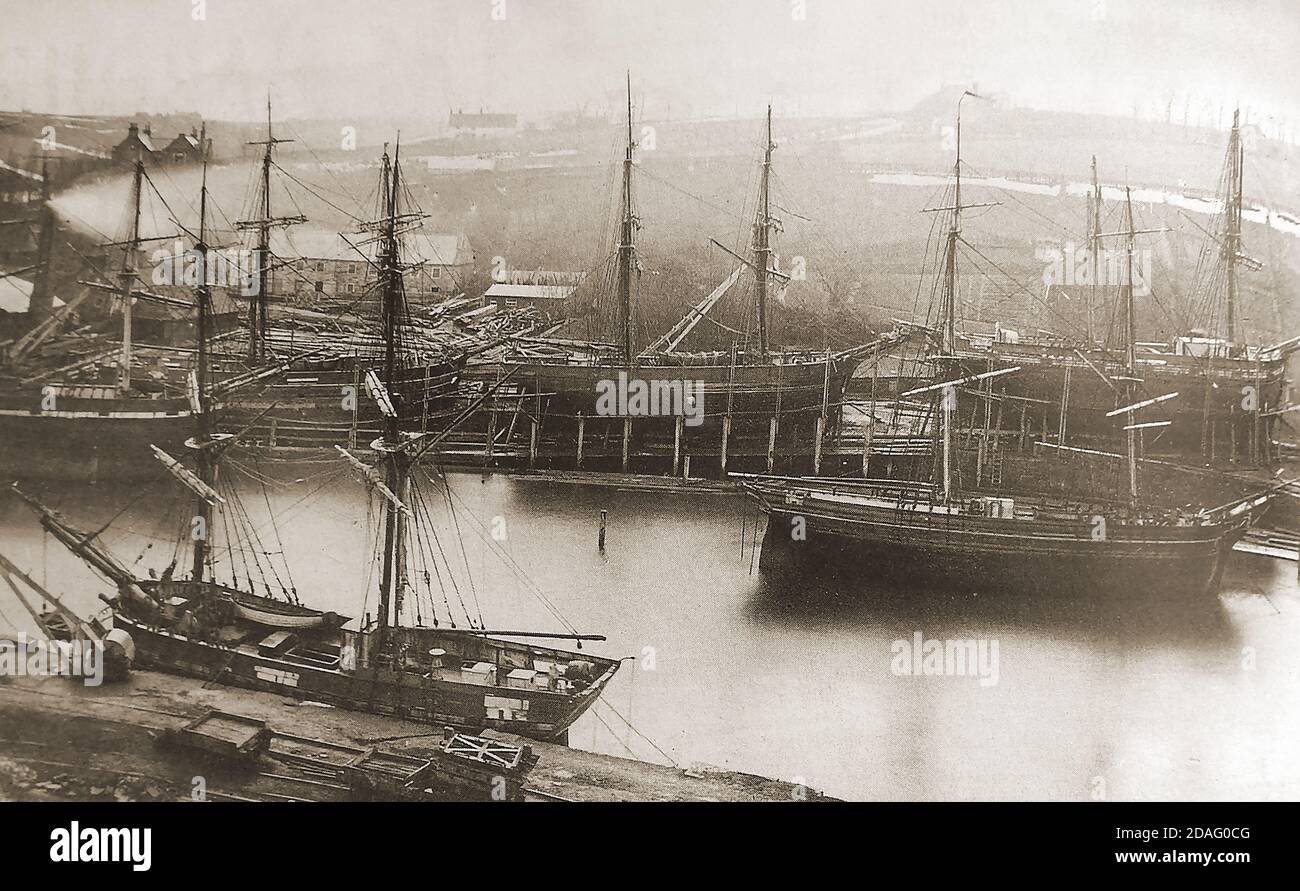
column 981, row 554
column 319, row 408
column 749, row 393
column 537, row 714
column 93, row 443
column 1211, row 404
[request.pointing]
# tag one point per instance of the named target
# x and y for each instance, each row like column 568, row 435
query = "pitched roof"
column 444, row 250
column 312, row 243
column 531, row 292
column 187, row 139
column 16, row 294
column 317, row 243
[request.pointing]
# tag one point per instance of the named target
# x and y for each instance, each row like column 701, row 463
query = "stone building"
column 316, row 265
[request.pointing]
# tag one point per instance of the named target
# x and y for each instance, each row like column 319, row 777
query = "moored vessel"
column 463, row 675
column 996, row 540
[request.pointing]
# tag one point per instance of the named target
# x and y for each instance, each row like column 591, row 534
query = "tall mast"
column 257, row 303
column 397, row 463
column 1130, row 346
column 948, row 320
column 206, row 467
column 948, row 315
column 626, row 247
column 127, row 276
column 1094, row 248
column 762, row 246
column 42, row 299
column 257, row 306
column 1232, row 238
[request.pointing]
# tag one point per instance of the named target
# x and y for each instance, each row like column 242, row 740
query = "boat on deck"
column 446, row 671
column 442, row 676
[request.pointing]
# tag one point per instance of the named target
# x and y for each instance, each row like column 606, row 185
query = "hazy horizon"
column 419, row 58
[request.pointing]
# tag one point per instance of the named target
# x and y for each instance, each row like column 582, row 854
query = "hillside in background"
column 546, row 197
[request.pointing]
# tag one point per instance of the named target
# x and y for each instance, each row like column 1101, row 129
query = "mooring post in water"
column 686, row 468
column 356, row 388
column 726, row 434
column 818, row 429
column 627, row 440
column 1258, row 416
column 771, row 444
column 580, row 432
column 532, row 445
column 677, row 443
column 867, row 433
column 604, row 517
column 424, row 401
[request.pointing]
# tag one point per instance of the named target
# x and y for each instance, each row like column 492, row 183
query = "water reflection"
column 830, row 598
column 1154, row 700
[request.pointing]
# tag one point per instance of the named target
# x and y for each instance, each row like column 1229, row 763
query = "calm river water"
column 1190, row 701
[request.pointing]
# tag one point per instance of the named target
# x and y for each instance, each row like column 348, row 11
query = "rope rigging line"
column 344, row 192
column 513, row 565
column 427, row 532
column 317, row 195
column 460, row 540
column 630, row 726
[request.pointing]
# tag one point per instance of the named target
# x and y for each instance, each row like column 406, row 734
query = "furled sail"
column 373, row 477
column 189, row 480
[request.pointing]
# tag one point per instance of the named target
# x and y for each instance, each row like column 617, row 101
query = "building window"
column 320, row 265
column 320, row 287
column 351, row 287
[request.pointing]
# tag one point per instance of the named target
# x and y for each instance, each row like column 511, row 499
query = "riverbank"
column 64, row 741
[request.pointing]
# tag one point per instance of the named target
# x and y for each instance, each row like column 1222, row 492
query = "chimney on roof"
column 148, row 130
column 132, row 131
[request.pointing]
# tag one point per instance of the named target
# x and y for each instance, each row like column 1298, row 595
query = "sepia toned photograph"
column 472, row 401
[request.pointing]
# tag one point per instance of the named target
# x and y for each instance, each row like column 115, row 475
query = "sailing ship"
column 466, row 677
column 1000, row 540
column 752, row 383
column 1230, row 393
column 90, row 417
column 301, row 405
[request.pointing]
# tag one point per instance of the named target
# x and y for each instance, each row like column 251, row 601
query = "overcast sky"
column 340, row 58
